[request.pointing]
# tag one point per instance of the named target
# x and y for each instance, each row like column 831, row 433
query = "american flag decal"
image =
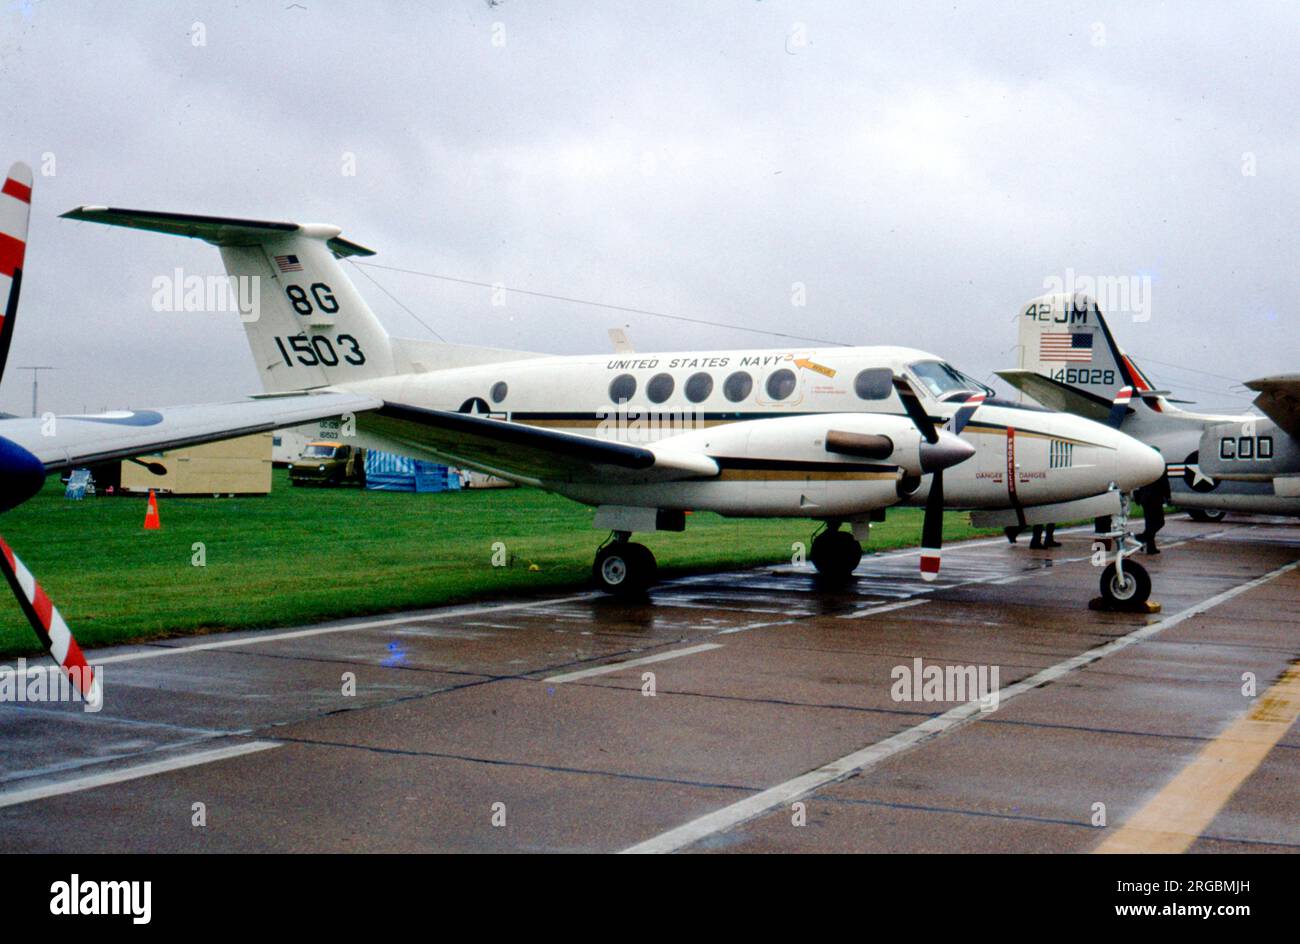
column 288, row 263
column 1065, row 346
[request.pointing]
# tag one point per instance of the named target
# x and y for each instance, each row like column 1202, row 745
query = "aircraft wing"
column 528, row 454
column 1279, row 399
column 1058, row 396
column 62, row 442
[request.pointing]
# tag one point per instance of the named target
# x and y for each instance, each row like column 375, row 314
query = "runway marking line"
column 1176, row 816
column 633, row 663
column 76, row 785
column 325, row 630
column 872, row 611
column 860, row 760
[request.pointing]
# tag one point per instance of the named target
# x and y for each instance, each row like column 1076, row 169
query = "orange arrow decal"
column 825, row 371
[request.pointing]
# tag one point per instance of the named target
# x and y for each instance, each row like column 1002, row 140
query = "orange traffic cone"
column 151, row 520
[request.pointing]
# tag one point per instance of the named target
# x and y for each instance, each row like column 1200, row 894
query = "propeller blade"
column 967, row 410
column 50, row 628
column 15, row 210
column 1119, row 407
column 932, row 529
column 912, row 404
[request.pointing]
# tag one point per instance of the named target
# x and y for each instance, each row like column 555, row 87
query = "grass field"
column 302, row 555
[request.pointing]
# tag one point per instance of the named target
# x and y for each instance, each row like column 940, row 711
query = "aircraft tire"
column 624, row 568
column 1206, row 516
column 835, row 554
column 1135, row 590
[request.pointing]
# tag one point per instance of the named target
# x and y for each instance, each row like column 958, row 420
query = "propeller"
column 939, row 450
column 1119, row 407
column 965, row 412
column 915, row 412
column 932, row 529
column 21, row 473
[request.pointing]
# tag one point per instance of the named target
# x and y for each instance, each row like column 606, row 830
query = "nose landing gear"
column 1125, row 584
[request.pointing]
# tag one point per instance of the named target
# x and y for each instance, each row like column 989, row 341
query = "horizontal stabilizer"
column 218, row 230
column 1056, row 395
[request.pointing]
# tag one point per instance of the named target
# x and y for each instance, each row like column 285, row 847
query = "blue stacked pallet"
column 386, row 472
column 432, row 477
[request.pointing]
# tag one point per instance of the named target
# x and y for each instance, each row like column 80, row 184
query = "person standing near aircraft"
column 1044, row 536
column 1152, row 499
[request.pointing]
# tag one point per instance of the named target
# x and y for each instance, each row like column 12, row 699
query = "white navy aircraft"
column 1069, row 360
column 835, row 435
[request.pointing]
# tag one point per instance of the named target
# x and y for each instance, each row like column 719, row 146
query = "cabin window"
column 1265, row 450
column 499, row 391
column 943, row 380
column 874, row 383
column 738, row 386
column 660, row 388
column 699, row 386
column 1227, row 448
column 622, row 387
column 781, row 384
column 1245, row 448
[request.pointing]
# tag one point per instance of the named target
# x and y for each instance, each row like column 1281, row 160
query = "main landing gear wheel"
column 1133, row 590
column 835, row 554
column 1207, row 517
column 624, row 568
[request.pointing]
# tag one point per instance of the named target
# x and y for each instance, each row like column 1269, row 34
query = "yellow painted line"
column 1172, row 820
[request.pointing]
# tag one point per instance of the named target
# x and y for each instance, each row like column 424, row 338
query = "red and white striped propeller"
column 21, row 473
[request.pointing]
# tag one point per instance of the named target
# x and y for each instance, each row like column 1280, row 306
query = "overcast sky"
column 920, row 168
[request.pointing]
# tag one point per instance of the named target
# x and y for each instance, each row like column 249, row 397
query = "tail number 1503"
column 319, row 350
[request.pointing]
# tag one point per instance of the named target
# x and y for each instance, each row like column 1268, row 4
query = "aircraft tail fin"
column 1066, row 339
column 306, row 323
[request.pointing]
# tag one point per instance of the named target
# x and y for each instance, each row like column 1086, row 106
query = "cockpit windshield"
column 943, row 380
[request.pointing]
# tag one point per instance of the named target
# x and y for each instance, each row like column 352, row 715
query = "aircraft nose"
column 1136, row 464
column 21, row 474
column 948, row 451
